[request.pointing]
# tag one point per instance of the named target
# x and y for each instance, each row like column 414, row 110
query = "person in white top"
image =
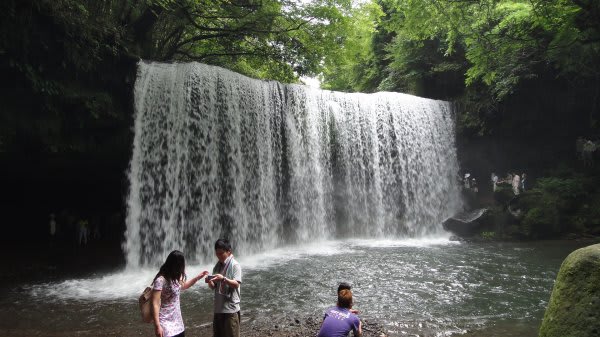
column 52, row 225
column 494, row 181
column 226, row 282
column 516, row 184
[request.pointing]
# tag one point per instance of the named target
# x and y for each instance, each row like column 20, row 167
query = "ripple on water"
column 414, row 287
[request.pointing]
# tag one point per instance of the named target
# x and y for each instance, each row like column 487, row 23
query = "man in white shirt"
column 226, row 281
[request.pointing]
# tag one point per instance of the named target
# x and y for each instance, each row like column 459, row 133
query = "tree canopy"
column 73, row 58
column 480, row 51
column 496, row 42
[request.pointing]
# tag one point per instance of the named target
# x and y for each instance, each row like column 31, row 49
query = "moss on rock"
column 574, row 308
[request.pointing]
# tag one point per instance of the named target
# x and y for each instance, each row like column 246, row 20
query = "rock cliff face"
column 574, row 308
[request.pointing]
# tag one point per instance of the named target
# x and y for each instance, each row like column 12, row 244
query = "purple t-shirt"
column 339, row 322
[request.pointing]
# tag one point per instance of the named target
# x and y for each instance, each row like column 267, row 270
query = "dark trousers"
column 226, row 325
column 180, row 335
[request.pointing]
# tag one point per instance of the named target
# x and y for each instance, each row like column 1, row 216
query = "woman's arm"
column 158, row 331
column 193, row 280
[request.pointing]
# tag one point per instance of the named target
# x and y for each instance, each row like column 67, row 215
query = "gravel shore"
column 285, row 327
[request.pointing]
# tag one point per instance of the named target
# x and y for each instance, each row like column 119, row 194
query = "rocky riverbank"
column 288, row 326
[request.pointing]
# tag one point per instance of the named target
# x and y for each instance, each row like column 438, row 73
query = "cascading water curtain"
column 217, row 154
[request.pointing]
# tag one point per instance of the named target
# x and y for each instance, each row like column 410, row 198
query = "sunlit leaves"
column 348, row 66
column 505, row 42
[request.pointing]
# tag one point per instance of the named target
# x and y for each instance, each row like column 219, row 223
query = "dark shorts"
column 226, row 325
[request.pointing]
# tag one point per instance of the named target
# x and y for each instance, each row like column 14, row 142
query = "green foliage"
column 72, row 61
column 55, row 55
column 568, row 187
column 289, row 37
column 561, row 204
column 488, row 235
column 476, row 52
column 542, row 220
column 252, row 37
column 505, row 41
column 504, row 53
column 348, row 68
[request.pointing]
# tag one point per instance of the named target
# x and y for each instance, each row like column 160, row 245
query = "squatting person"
column 339, row 320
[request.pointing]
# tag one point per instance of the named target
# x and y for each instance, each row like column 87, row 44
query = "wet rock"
column 574, row 307
column 465, row 224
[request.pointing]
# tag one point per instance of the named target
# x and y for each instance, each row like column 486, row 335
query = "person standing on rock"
column 226, row 281
column 467, row 182
column 52, row 225
column 339, row 320
column 588, row 153
column 516, row 184
column 494, row 182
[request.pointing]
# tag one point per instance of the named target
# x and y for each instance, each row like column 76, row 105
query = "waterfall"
column 217, row 154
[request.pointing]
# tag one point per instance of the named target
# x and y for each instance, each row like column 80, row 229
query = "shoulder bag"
column 145, row 302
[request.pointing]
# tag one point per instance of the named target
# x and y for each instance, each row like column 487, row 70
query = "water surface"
column 425, row 287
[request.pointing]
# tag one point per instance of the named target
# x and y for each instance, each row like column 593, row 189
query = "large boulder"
column 574, row 308
column 465, row 224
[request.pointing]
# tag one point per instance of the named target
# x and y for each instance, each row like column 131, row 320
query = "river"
column 413, row 287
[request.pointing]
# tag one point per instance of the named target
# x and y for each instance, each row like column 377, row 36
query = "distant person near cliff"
column 52, row 225
column 588, row 153
column 579, row 143
column 494, row 182
column 516, row 184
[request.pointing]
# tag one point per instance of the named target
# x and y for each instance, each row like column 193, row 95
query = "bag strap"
column 224, row 271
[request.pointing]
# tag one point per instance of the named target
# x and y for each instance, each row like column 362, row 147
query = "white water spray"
column 219, row 154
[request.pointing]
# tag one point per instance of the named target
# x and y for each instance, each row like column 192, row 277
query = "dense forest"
column 524, row 77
